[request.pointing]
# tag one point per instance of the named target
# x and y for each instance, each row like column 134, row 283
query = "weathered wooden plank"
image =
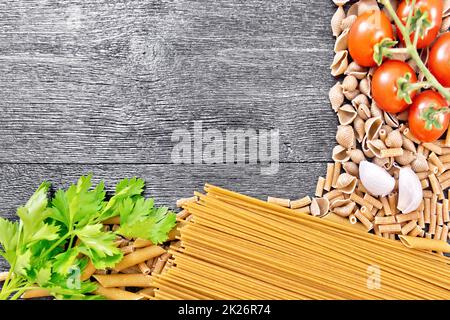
column 166, row 183
column 109, row 81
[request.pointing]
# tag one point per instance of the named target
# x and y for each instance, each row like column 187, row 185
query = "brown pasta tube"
column 433, row 221
column 373, row 201
column 390, row 228
column 438, row 233
column 338, row 219
column 359, row 200
column 336, row 173
column 386, row 206
column 366, row 222
column 117, row 294
column 306, row 210
column 319, row 186
column 124, row 280
column 329, row 177
column 432, row 147
column 392, row 198
column 385, row 220
column 144, row 268
column 407, row 217
column 183, row 214
column 300, row 203
column 36, row 293
column 139, row 256
column 427, row 210
column 425, row 243
column 407, row 228
column 279, row 201
column 88, row 271
column 445, row 210
column 415, row 232
column 439, row 209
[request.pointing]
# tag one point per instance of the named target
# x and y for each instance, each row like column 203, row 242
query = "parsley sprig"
column 53, row 240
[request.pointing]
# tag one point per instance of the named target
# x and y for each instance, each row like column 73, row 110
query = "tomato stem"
column 411, row 47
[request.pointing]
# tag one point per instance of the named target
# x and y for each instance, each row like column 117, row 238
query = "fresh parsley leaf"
column 99, row 246
column 65, row 261
column 139, row 219
column 8, row 238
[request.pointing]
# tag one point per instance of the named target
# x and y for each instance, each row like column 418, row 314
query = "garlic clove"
column 410, row 192
column 375, row 179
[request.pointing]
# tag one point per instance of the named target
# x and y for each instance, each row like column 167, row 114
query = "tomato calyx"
column 430, row 116
column 405, row 87
column 384, row 49
column 419, row 23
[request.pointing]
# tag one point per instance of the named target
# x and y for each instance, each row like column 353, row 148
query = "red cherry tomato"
column 434, row 9
column 369, row 29
column 417, row 126
column 439, row 60
column 384, row 85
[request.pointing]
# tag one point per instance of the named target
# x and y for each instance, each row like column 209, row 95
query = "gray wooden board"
column 99, row 86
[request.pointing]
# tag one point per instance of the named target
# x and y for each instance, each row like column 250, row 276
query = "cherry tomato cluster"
column 395, row 85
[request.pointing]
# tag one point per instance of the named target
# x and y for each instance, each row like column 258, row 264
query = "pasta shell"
column 445, row 24
column 340, row 3
column 406, row 158
column 345, row 136
column 343, row 208
column 386, row 128
column 356, row 70
column 365, row 148
column 420, row 164
column 360, row 99
column 376, row 146
column 372, row 127
column 385, row 163
column 364, row 86
column 340, row 154
column 358, row 125
column 348, row 22
column 342, row 43
column 391, row 120
column 350, row 83
column 356, row 155
column 351, row 168
column 367, row 5
column 375, row 111
column 408, row 144
column 340, row 63
column 364, row 111
column 350, row 95
column 336, row 96
column 336, row 21
column 346, row 183
column 319, row 206
column 394, row 139
column 346, row 114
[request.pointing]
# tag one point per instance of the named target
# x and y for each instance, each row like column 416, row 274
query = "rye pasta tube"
column 139, row 256
column 117, row 294
column 335, row 218
column 425, row 244
column 88, row 271
column 36, row 293
column 124, row 280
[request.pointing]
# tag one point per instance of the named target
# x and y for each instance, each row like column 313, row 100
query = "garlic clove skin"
column 375, row 179
column 410, row 192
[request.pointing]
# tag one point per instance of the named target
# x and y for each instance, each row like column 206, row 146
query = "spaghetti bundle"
column 238, row 247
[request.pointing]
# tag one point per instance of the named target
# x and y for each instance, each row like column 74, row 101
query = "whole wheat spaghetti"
column 237, row 247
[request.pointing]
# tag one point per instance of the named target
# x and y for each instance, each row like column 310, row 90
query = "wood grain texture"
column 109, row 81
column 99, row 86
